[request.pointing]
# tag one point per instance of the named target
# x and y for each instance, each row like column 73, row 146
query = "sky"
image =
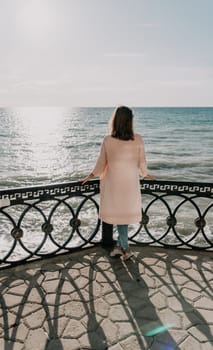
column 106, row 53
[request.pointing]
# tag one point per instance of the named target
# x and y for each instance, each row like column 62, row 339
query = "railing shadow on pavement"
column 51, row 318
column 199, row 286
column 149, row 297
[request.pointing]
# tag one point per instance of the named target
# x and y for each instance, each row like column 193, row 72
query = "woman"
column 121, row 160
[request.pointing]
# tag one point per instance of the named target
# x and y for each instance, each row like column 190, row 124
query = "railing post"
column 107, row 234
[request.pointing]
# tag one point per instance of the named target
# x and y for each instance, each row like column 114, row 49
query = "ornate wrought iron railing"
column 42, row 221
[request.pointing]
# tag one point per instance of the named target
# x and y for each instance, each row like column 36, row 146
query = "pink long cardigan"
column 119, row 165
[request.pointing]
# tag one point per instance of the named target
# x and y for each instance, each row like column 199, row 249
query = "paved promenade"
column 159, row 300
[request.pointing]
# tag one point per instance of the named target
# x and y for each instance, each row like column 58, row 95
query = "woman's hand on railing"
column 86, row 179
column 149, row 177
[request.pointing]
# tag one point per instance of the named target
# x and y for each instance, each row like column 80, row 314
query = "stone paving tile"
column 160, row 299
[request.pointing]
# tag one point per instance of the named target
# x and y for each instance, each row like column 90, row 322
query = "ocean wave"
column 155, row 165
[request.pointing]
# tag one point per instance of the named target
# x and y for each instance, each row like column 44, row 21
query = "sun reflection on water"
column 40, row 124
column 40, row 134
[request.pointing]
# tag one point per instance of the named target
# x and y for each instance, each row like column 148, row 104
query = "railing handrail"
column 45, row 192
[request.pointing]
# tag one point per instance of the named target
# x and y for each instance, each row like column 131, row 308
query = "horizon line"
column 95, row 106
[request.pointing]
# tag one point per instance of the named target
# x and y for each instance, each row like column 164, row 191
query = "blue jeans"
column 123, row 236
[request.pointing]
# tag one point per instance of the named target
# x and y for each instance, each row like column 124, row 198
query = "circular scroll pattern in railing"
column 191, row 224
column 87, row 214
column 10, row 233
column 49, row 227
column 153, row 225
column 180, row 222
column 59, row 214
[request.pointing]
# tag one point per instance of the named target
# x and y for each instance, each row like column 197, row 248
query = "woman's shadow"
column 148, row 329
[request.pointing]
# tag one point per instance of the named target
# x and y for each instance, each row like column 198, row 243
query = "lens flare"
column 155, row 328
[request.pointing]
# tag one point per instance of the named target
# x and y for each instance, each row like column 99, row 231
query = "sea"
column 47, row 145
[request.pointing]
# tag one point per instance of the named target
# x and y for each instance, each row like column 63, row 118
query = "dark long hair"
column 121, row 124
